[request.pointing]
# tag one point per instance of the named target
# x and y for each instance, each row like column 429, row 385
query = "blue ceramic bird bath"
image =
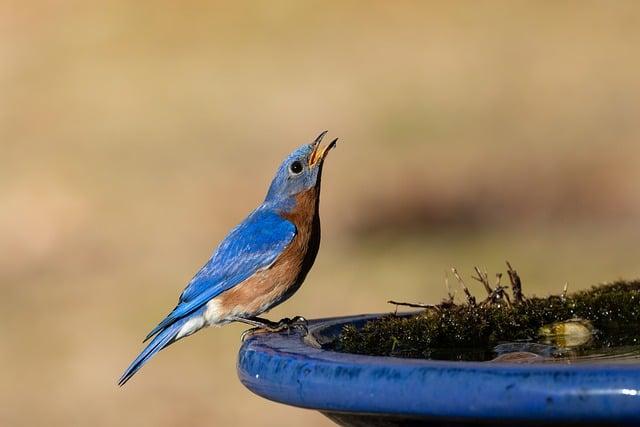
column 356, row 390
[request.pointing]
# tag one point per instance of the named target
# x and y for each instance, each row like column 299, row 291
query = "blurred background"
column 134, row 135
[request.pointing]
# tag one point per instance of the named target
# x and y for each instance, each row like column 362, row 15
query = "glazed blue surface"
column 289, row 369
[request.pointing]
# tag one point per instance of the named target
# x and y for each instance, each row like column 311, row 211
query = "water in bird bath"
column 622, row 349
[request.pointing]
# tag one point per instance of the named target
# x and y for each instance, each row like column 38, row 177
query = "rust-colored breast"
column 272, row 286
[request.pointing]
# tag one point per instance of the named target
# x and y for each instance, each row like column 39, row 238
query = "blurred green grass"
column 133, row 135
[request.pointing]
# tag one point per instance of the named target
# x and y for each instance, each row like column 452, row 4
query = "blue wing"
column 253, row 245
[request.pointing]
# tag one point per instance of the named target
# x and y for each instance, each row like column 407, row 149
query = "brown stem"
column 413, row 304
column 450, row 295
column 470, row 298
column 516, row 284
column 484, row 279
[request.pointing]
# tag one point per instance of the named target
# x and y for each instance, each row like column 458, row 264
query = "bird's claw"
column 250, row 331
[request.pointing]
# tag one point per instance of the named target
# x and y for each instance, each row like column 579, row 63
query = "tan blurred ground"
column 134, row 134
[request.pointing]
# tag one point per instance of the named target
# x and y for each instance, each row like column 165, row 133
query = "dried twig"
column 470, row 298
column 413, row 304
column 504, row 294
column 498, row 280
column 495, row 294
column 484, row 279
column 516, row 284
column 498, row 293
column 450, row 295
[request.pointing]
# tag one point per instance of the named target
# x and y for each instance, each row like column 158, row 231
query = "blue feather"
column 166, row 337
column 253, row 245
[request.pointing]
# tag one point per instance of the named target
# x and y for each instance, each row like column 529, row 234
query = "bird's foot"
column 295, row 322
column 286, row 324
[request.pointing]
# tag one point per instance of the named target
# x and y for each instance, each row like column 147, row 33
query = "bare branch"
column 484, row 279
column 497, row 293
column 470, row 298
column 412, row 304
column 516, row 284
column 504, row 295
column 498, row 279
column 450, row 295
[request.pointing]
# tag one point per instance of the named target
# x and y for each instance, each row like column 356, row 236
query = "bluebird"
column 261, row 263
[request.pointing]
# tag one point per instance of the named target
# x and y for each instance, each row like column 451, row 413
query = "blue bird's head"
column 301, row 171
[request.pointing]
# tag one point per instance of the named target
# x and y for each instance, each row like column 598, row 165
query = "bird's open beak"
column 318, row 154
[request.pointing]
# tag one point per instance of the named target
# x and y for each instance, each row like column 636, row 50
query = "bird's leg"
column 260, row 324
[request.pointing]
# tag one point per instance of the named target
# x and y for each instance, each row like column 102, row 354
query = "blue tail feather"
column 162, row 325
column 163, row 339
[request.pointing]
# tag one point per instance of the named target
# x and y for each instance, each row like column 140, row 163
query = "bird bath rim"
column 288, row 368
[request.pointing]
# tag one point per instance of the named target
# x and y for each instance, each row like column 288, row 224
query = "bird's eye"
column 296, row 167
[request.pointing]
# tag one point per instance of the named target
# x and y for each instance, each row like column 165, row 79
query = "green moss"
column 610, row 308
